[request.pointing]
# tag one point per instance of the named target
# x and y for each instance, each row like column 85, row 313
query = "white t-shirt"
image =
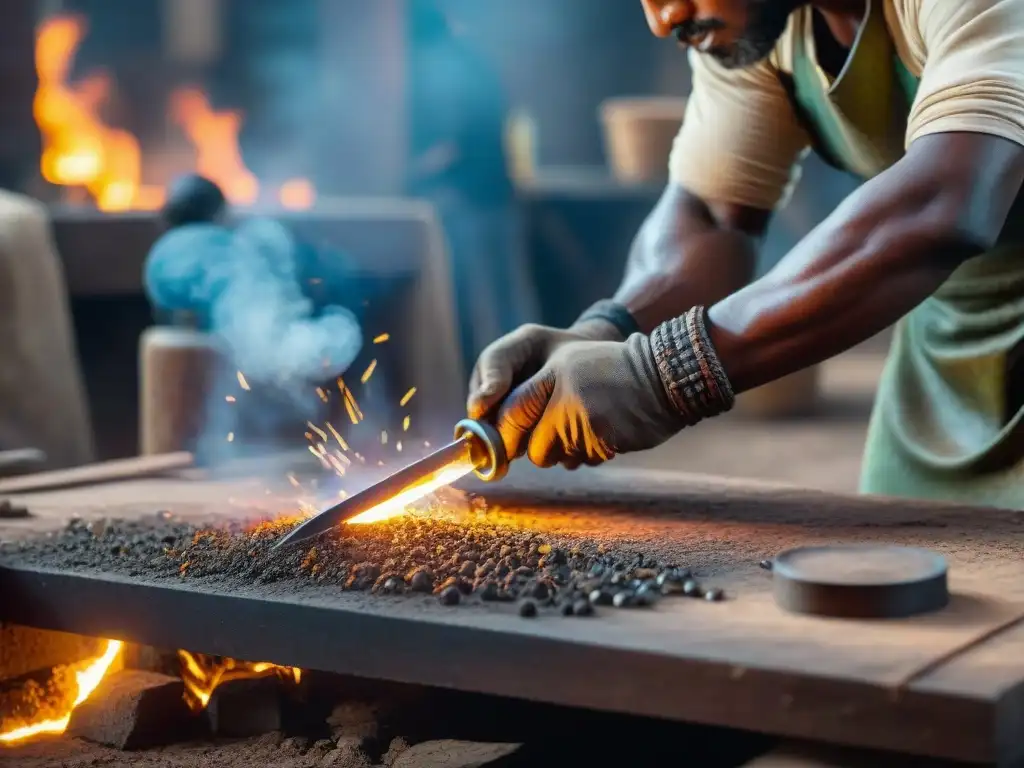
column 741, row 139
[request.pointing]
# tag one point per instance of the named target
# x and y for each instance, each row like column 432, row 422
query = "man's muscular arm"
column 883, row 251
column 688, row 252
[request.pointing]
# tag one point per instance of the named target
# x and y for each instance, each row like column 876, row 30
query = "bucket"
column 638, row 136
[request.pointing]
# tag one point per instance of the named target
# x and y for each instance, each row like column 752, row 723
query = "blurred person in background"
column 457, row 114
column 924, row 101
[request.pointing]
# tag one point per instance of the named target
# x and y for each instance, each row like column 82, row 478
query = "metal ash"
column 474, row 558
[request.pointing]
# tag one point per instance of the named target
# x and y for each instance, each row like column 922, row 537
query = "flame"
column 215, row 137
column 297, row 195
column 86, row 680
column 81, row 150
column 202, row 674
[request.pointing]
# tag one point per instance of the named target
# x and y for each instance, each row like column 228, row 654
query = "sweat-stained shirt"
column 741, row 139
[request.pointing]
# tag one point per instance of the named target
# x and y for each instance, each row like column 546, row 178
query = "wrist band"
column 689, row 367
column 613, row 313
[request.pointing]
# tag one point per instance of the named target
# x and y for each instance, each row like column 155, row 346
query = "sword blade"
column 392, row 494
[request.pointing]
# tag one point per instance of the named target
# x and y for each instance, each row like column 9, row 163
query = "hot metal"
column 477, row 448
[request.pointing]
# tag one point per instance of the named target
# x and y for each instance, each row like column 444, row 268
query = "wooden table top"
column 949, row 685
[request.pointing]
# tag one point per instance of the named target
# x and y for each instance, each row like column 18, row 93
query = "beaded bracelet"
column 614, row 314
column 690, row 370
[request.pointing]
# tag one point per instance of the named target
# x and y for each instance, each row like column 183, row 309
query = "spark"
column 369, row 371
column 231, row 437
column 319, row 458
column 405, row 423
column 384, row 437
column 230, row 399
column 293, row 480
column 321, row 394
column 398, row 446
column 382, row 338
column 351, row 410
column 338, row 437
column 241, row 381
column 354, row 414
column 407, row 397
column 323, row 435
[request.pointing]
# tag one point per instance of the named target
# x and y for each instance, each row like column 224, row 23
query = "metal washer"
column 860, row 581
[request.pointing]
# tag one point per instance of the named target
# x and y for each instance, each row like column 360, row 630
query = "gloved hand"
column 590, row 401
column 517, row 356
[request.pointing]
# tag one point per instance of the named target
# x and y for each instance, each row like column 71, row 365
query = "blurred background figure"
column 456, row 117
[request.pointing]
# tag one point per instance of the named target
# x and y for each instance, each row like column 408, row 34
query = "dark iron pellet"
column 646, row 595
column 623, row 599
column 582, row 608
column 714, row 595
column 450, row 596
column 528, row 609
column 421, row 581
column 692, row 589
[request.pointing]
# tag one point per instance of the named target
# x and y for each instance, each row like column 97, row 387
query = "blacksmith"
column 923, row 99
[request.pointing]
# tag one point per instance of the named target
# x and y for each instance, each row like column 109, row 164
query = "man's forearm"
column 688, row 253
column 886, row 249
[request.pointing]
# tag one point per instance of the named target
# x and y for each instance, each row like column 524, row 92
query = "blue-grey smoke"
column 245, row 288
column 243, row 285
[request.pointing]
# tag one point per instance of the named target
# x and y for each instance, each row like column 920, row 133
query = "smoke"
column 244, row 287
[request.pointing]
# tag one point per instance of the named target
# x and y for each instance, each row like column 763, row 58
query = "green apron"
column 943, row 426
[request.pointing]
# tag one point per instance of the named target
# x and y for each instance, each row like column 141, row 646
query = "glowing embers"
column 202, row 674
column 87, row 679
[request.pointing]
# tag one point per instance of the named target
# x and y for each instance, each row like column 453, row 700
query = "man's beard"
column 767, row 22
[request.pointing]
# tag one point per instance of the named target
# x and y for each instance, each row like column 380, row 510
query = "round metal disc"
column 860, row 581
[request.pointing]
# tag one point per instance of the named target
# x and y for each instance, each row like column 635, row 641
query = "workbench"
column 948, row 685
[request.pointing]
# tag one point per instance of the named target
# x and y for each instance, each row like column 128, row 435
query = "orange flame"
column 81, row 150
column 87, row 680
column 202, row 674
column 215, row 137
column 297, row 195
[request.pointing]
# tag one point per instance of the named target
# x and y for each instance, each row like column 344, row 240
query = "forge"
column 739, row 663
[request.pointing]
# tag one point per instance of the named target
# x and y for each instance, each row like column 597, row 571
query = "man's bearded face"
column 738, row 33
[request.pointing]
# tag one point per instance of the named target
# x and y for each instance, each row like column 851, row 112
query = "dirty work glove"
column 590, row 401
column 517, row 356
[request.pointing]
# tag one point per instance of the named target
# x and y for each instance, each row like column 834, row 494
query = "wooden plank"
column 743, row 663
column 807, row 755
column 104, row 472
column 991, row 676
